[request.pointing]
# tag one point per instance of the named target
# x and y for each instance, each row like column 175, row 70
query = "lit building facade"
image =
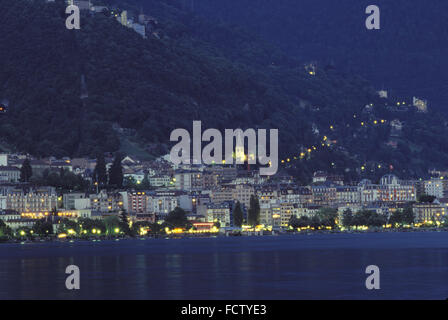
column 428, row 211
column 32, row 200
column 162, row 202
column 220, row 212
column 137, row 202
column 106, row 202
column 435, row 187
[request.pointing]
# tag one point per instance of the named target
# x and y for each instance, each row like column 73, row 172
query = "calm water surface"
column 412, row 265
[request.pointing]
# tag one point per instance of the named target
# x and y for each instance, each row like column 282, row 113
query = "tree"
column 369, row 218
column 253, row 216
column 116, row 172
column 100, row 172
column 88, row 226
column 124, row 221
column 304, row 221
column 43, row 227
column 294, row 222
column 177, row 218
column 5, row 231
column 145, row 183
column 26, row 171
column 23, row 232
column 65, row 225
column 426, row 198
column 376, row 220
column 327, row 217
column 405, row 216
column 112, row 223
column 140, row 226
column 156, row 228
column 129, row 182
column 238, row 215
column 408, row 215
column 395, row 217
column 347, row 218
column 62, row 173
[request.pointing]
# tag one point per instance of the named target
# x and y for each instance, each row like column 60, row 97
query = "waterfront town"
column 216, row 199
column 122, row 195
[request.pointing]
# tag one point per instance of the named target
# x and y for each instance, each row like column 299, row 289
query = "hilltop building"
column 383, row 94
column 420, row 104
column 81, row 4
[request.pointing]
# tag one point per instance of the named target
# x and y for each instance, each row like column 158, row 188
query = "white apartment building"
column 434, row 187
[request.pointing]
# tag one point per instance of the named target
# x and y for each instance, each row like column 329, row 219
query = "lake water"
column 329, row 266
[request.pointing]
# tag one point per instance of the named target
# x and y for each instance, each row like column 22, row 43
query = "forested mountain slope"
column 194, row 70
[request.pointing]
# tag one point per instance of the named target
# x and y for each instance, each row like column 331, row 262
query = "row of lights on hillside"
column 325, row 139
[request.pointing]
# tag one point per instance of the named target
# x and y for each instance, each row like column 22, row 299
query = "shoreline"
column 211, row 235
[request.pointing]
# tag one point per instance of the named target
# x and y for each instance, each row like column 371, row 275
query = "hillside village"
column 218, row 198
column 152, row 190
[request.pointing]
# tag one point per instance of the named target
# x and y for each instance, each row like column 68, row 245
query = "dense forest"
column 138, row 90
column 407, row 55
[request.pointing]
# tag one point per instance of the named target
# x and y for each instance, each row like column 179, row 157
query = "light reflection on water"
column 413, row 265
